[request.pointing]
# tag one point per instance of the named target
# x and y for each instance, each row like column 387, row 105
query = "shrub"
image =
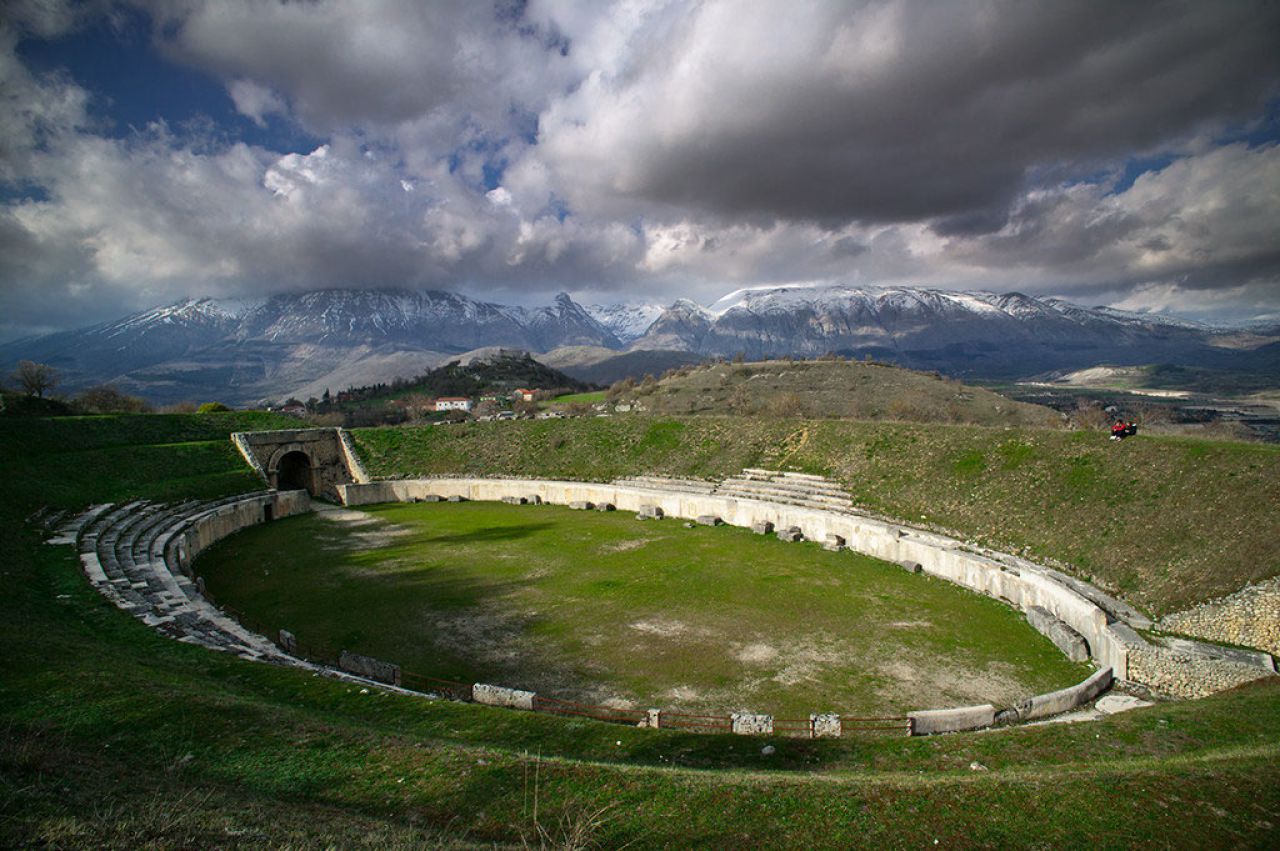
column 212, row 408
column 106, row 399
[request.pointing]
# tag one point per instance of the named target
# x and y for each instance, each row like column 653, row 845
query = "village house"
column 453, row 403
column 520, row 394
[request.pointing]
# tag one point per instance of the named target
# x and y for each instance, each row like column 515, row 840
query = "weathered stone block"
column 367, row 666
column 911, row 566
column 605, row 506
column 514, row 500
column 456, row 498
column 582, row 505
column 1063, row 700
column 762, row 528
column 288, row 642
column 929, row 721
column 500, row 696
column 825, row 726
column 833, row 543
column 652, row 719
column 709, row 520
column 1064, row 637
column 433, row 497
column 750, row 724
column 791, row 534
column 651, row 512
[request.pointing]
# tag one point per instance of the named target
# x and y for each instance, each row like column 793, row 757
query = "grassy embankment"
column 833, row 389
column 111, row 736
column 603, row 609
column 1167, row 522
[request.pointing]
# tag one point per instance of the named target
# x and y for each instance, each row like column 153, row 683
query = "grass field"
column 114, row 737
column 589, row 398
column 1165, row 522
column 604, row 609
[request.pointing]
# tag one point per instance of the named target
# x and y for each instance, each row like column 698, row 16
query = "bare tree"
column 35, row 378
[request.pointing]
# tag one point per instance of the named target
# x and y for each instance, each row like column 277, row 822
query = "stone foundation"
column 1188, row 676
column 1250, row 617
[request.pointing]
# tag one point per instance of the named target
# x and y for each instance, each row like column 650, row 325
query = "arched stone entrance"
column 326, row 460
column 294, row 472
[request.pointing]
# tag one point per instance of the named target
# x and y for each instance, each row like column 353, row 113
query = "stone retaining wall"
column 1169, row 672
column 207, row 529
column 1249, row 617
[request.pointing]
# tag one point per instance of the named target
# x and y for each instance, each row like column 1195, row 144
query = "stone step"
column 104, row 521
column 770, row 494
column 675, row 485
column 801, row 487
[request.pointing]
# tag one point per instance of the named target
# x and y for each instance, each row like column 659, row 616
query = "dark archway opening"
column 295, row 473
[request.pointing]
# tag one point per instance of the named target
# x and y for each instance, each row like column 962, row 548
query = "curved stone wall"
column 1016, row 581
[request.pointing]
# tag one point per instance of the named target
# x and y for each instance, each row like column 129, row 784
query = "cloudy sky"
column 1111, row 153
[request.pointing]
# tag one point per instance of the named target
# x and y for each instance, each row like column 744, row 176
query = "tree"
column 106, row 399
column 35, row 378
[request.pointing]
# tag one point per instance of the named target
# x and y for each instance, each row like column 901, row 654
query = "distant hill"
column 500, row 371
column 832, row 389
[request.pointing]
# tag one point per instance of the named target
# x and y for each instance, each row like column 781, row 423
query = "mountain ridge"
column 266, row 348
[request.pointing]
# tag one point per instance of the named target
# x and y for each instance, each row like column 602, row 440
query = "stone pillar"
column 750, row 724
column 825, row 726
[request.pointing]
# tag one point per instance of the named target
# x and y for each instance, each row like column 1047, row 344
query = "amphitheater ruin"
column 139, row 555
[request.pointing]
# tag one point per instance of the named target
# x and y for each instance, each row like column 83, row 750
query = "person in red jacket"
column 1118, row 430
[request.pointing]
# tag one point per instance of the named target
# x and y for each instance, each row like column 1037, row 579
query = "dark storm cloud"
column 903, row 111
column 651, row 149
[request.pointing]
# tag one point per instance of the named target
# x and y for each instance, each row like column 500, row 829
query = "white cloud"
column 255, row 101
column 660, row 148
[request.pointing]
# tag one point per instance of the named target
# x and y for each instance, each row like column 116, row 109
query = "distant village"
column 520, row 403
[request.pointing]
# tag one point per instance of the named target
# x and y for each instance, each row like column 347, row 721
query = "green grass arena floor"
column 603, row 608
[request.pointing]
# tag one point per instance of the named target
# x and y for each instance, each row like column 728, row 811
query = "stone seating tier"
column 770, row 491
column 796, row 485
column 123, row 547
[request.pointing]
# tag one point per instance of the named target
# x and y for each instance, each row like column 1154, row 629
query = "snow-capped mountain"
column 628, row 322
column 566, row 323
column 980, row 333
column 265, row 349
column 250, row 350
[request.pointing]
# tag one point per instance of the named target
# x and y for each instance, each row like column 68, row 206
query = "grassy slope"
column 111, row 736
column 598, row 607
column 1166, row 521
column 835, row 388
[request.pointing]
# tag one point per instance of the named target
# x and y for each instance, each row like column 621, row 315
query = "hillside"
column 1146, row 518
column 115, row 737
column 498, row 372
column 832, row 388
